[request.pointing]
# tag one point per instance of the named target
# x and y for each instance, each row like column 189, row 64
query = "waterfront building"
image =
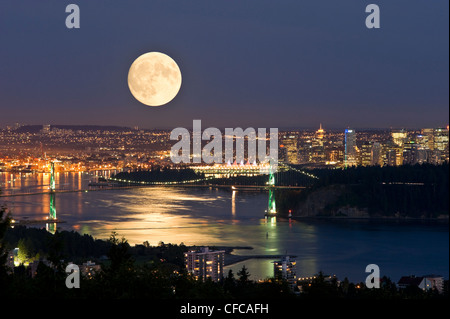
column 205, row 263
column 285, row 269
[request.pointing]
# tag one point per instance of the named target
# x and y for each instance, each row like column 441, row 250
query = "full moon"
column 154, row 79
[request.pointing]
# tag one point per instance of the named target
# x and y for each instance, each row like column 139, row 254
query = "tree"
column 23, row 254
column 5, row 222
column 118, row 253
column 55, row 252
column 244, row 275
column 321, row 288
column 345, row 285
column 229, row 282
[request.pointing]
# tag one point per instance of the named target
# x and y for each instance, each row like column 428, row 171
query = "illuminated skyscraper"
column 320, row 136
column 318, row 146
column 290, row 144
column 391, row 157
column 335, row 154
column 305, row 152
column 365, row 158
column 428, row 138
column 441, row 139
column 410, row 153
column 399, row 137
column 376, row 157
column 393, row 154
column 436, row 140
column 350, row 148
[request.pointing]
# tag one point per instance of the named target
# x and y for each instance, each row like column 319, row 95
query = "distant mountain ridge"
column 37, row 128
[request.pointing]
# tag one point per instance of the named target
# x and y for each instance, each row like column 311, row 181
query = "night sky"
column 260, row 63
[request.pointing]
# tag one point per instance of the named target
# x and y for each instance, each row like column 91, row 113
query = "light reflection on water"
column 226, row 218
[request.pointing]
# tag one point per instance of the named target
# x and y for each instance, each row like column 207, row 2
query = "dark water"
column 226, row 218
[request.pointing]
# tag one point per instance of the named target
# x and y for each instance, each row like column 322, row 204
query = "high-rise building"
column 410, row 153
column 318, row 146
column 399, row 137
column 376, row 157
column 441, row 142
column 440, row 139
column 290, row 144
column 422, row 141
column 422, row 149
column 393, row 154
column 335, row 155
column 421, row 156
column 350, row 157
column 436, row 140
column 285, row 269
column 282, row 153
column 428, row 138
column 391, row 157
column 398, row 156
column 365, row 156
column 320, row 136
column 305, row 152
column 205, row 263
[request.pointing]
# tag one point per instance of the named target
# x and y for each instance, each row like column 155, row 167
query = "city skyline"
column 250, row 65
column 92, row 148
column 14, row 125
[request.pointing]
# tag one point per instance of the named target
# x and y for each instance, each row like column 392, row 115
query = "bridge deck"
column 96, row 189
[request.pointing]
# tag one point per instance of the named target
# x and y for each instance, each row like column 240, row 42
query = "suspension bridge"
column 236, row 177
column 284, row 177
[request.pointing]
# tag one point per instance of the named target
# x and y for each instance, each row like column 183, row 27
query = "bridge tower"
column 271, row 207
column 52, row 177
column 51, row 227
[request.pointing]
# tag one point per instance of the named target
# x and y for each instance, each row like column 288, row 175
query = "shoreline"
column 378, row 218
column 232, row 259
